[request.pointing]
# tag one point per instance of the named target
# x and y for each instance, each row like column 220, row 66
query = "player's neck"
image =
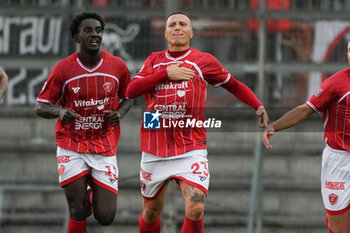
column 89, row 60
column 177, row 53
column 178, row 47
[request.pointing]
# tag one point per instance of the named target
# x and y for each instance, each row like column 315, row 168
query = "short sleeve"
column 146, row 69
column 323, row 97
column 52, row 90
column 214, row 73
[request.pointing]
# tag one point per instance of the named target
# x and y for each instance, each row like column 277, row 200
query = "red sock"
column 153, row 227
column 327, row 224
column 76, row 226
column 192, row 226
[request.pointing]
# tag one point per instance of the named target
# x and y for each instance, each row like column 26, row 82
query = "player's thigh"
column 340, row 223
column 75, row 192
column 104, row 202
column 193, row 196
column 152, row 207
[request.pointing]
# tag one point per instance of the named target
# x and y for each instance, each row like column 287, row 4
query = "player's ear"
column 192, row 33
column 165, row 35
column 76, row 38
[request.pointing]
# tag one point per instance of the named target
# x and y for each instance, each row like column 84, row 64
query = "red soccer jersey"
column 333, row 101
column 88, row 92
column 179, row 101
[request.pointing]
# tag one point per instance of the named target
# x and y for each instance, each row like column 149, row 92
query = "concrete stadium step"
column 223, row 210
column 40, row 167
column 283, row 202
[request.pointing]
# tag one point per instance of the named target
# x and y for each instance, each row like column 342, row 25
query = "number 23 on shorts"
column 200, row 168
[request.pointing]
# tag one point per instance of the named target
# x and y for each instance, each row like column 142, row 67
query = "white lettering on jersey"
column 91, row 122
column 172, row 85
column 91, row 102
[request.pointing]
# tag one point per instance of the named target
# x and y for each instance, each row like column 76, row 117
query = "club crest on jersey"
column 108, row 86
column 75, row 89
column 333, row 198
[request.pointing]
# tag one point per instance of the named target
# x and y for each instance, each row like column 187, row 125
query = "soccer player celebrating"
column 89, row 87
column 174, row 84
column 332, row 100
column 3, row 82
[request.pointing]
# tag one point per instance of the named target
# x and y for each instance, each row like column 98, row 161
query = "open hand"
column 266, row 136
column 177, row 73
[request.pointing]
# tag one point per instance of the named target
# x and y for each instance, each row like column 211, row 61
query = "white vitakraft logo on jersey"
column 75, row 89
column 91, row 102
column 172, row 85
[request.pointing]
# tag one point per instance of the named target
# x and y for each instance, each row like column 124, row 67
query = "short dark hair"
column 74, row 26
column 179, row 13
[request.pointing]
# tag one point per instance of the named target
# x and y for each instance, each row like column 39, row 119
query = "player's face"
column 90, row 35
column 348, row 52
column 178, row 32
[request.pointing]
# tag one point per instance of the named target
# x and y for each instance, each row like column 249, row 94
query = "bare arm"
column 49, row 111
column 290, row 119
column 114, row 117
column 3, row 82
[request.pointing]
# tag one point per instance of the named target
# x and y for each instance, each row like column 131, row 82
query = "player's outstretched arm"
column 49, row 111
column 3, row 82
column 291, row 118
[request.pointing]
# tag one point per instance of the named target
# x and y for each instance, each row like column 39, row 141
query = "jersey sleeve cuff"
column 313, row 107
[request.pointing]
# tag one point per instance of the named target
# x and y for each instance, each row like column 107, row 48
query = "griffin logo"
column 333, row 198
column 202, row 178
column 61, row 170
column 108, row 86
column 75, row 89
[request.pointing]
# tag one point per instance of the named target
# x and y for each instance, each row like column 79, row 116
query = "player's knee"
column 77, row 209
column 341, row 231
column 106, row 220
column 105, row 217
column 150, row 215
column 337, row 228
column 195, row 212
